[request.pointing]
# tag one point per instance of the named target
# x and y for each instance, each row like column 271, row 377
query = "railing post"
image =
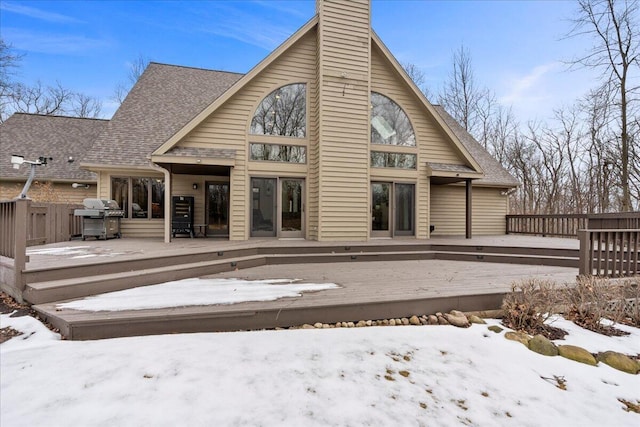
column 586, row 255
column 20, row 258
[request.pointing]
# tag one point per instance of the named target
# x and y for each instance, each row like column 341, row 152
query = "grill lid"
column 100, row 204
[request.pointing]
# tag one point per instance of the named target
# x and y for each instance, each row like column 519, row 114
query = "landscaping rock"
column 619, row 361
column 361, row 324
column 457, row 318
column 541, row 345
column 432, row 320
column 414, row 320
column 307, row 326
column 578, row 354
column 442, row 320
column 477, row 320
column 317, row 325
column 497, row 329
column 404, row 321
column 520, row 337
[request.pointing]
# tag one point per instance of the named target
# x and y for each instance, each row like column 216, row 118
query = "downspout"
column 469, row 209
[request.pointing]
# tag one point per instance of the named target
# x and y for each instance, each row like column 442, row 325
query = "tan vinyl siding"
column 227, row 127
column 313, row 152
column 490, row 208
column 448, row 210
column 344, row 57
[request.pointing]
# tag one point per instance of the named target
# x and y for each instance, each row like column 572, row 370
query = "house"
column 65, row 140
column 326, row 139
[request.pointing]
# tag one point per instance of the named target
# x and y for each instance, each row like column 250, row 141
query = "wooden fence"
column 610, row 253
column 24, row 223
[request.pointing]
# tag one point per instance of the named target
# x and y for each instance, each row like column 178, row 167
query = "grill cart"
column 100, row 218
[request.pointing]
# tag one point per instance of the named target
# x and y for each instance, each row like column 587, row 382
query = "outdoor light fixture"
column 18, row 161
column 195, row 186
column 77, row 185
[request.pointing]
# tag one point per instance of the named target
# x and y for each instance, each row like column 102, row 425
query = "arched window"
column 282, row 113
column 389, row 123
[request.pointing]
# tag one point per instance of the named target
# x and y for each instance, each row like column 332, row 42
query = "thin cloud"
column 34, row 13
column 57, row 44
column 278, row 6
column 264, row 30
column 528, row 86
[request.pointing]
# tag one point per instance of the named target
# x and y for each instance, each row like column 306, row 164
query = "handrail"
column 567, row 225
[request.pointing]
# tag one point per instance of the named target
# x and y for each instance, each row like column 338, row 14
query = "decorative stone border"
column 538, row 343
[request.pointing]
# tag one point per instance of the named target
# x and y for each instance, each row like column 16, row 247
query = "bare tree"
column 9, row 63
column 39, row 99
column 614, row 27
column 136, row 68
column 462, row 97
column 85, row 106
column 419, row 78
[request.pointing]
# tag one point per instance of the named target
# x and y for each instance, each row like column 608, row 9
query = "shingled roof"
column 163, row 100
column 62, row 138
column 494, row 173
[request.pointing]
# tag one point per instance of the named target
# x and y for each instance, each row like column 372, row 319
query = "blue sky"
column 517, row 47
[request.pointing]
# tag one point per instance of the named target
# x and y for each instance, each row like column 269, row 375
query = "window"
column 389, row 123
column 279, row 153
column 282, row 113
column 141, row 198
column 381, row 159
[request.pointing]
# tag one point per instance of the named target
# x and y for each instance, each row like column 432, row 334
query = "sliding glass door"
column 392, row 209
column 277, row 207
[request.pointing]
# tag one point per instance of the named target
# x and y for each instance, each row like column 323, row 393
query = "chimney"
column 344, row 58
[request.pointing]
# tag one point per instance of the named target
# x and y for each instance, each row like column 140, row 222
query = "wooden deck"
column 379, row 279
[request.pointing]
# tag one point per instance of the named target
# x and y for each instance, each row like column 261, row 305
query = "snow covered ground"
column 196, row 291
column 376, row 376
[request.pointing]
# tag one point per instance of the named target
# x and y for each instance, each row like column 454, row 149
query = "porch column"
column 167, row 205
column 469, row 210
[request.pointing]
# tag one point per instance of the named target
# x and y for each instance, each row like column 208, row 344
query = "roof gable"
column 453, row 138
column 242, row 82
column 66, row 139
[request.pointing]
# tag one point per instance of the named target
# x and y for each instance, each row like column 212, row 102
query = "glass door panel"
column 218, row 209
column 263, row 207
column 404, row 209
column 291, row 208
column 380, row 209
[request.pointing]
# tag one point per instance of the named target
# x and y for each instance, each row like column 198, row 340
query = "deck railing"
column 24, row 223
column 610, row 253
column 547, row 225
column 568, row 225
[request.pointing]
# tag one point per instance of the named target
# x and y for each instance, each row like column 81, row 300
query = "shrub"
column 593, row 299
column 530, row 304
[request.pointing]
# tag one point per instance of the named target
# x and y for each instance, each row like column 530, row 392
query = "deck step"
column 99, row 325
column 65, row 289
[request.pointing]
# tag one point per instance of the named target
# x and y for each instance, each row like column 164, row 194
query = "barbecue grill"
column 100, row 218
